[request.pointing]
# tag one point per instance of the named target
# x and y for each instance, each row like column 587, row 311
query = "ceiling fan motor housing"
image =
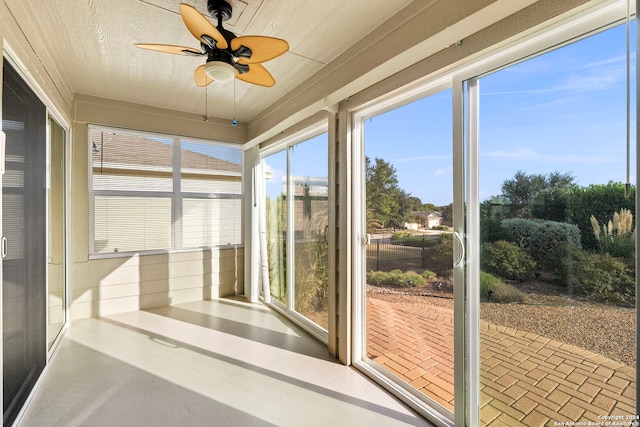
column 220, row 9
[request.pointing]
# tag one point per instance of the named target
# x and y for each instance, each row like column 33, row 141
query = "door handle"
column 461, row 251
column 4, row 247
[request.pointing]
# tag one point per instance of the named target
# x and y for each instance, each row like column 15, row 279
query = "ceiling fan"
column 228, row 56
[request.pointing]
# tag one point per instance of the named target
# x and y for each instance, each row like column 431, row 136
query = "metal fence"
column 384, row 254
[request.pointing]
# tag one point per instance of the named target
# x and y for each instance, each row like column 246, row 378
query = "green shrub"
column 438, row 254
column 444, row 245
column 521, row 230
column 401, row 235
column 416, row 241
column 506, row 259
column 495, row 290
column 491, row 230
column 428, row 274
column 604, row 278
column 376, row 278
column 554, row 247
column 395, row 278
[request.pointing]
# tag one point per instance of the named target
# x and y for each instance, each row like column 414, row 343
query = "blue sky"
column 308, row 158
column 561, row 111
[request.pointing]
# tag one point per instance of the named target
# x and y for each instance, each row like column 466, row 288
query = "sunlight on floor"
column 223, row 362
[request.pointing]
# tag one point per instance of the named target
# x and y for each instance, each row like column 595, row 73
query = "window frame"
column 176, row 195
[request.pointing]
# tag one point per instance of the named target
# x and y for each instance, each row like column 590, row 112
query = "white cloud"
column 439, row 172
column 597, row 75
column 518, row 153
column 599, row 79
column 529, row 154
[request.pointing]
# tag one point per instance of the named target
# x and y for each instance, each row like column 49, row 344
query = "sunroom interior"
column 173, row 253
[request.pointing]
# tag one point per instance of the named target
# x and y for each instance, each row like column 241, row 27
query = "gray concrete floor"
column 208, row 363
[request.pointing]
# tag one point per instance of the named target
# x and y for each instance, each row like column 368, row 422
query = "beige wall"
column 113, row 285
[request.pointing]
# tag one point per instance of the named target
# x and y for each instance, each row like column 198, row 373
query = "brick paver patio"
column 526, row 379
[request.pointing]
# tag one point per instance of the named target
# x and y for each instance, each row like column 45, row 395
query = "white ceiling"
column 92, row 42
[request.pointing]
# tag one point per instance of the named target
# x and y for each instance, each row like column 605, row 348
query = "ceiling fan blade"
column 263, row 48
column 198, row 25
column 167, row 48
column 258, row 75
column 201, row 77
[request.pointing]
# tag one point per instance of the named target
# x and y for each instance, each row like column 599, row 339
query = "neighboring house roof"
column 428, row 215
column 124, row 149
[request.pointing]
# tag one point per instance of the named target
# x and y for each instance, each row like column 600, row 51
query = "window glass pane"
column 56, row 247
column 135, row 205
column 132, row 223
column 409, row 213
column 275, row 175
column 122, row 162
column 558, row 323
column 213, row 172
column 309, row 170
column 122, row 167
column 211, row 222
column 208, row 168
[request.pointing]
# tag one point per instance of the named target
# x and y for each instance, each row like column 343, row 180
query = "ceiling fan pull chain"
column 234, row 122
column 206, row 103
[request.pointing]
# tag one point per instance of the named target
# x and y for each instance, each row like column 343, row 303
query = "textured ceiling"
column 92, row 42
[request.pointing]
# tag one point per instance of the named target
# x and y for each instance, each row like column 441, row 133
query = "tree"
column 387, row 203
column 521, row 190
column 429, row 207
column 447, row 214
column 414, row 204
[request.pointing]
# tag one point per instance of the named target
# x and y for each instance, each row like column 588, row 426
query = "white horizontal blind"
column 124, row 223
column 133, row 198
column 211, row 184
column 211, row 222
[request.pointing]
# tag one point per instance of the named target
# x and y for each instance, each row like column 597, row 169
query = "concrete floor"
column 208, row 363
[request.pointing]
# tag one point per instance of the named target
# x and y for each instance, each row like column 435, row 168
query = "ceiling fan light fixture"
column 219, row 71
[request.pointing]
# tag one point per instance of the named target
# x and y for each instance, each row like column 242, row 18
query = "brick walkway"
column 526, row 379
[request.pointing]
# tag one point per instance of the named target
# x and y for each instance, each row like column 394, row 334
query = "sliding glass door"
column 24, row 237
column 505, row 294
column 296, row 212
column 406, row 291
column 555, row 203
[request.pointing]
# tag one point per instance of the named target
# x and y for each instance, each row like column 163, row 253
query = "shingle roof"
column 127, row 149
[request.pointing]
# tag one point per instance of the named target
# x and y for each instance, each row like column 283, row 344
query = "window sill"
column 130, row 254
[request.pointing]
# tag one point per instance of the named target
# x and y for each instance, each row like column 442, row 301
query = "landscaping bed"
column 601, row 328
